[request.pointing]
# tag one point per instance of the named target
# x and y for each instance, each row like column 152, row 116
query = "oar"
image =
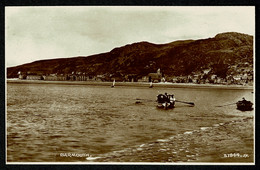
column 145, row 100
column 191, row 103
column 226, row 105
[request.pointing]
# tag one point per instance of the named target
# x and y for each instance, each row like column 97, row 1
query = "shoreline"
column 204, row 145
column 134, row 84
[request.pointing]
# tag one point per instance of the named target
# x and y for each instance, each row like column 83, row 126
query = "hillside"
column 174, row 59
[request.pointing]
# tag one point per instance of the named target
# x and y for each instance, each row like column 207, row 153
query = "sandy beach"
column 206, row 145
column 134, row 84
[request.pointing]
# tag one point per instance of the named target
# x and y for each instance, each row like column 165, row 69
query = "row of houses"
column 239, row 79
column 155, row 77
column 61, row 78
column 199, row 78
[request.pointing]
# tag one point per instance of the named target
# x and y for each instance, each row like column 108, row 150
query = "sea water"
column 51, row 122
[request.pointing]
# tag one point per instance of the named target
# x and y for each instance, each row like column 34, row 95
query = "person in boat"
column 244, row 101
column 172, row 99
column 167, row 97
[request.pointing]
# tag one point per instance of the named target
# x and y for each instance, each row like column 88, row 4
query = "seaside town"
column 165, row 85
column 240, row 74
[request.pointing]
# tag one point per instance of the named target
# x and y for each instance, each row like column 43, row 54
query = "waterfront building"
column 155, row 77
column 34, row 77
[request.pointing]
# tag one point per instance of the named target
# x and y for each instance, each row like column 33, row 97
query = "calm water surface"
column 45, row 120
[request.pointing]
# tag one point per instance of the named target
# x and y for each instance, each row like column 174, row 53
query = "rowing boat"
column 244, row 105
column 165, row 101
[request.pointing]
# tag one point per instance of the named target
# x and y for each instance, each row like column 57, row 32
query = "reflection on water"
column 46, row 120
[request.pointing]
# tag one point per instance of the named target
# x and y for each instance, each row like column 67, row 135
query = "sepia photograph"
column 153, row 85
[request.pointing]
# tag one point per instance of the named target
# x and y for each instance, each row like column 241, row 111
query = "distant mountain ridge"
column 174, row 59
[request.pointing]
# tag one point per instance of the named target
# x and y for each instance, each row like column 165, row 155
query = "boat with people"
column 166, row 101
column 244, row 105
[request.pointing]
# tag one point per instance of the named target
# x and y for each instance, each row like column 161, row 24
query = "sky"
column 37, row 33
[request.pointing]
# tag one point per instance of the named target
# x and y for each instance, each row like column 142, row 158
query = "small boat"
column 244, row 105
column 151, row 85
column 165, row 101
column 114, row 82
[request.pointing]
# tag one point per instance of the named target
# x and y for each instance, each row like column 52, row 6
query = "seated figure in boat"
column 244, row 101
column 166, row 97
column 172, row 99
column 161, row 98
column 169, row 97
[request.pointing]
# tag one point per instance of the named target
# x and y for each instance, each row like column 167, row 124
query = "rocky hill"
column 174, row 59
